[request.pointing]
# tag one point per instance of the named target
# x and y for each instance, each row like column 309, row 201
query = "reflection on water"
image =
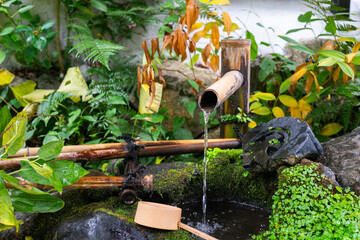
column 226, row 220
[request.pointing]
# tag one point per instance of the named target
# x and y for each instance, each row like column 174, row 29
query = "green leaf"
column 255, row 105
column 183, row 134
column 117, row 100
column 24, row 202
column 260, row 25
column 48, row 25
column 265, row 96
column 171, row 19
column 346, row 69
column 7, row 216
column 6, row 31
column 40, row 43
column 261, row 111
column 15, row 183
column 330, row 129
column 15, row 132
column 99, row 5
column 331, row 27
column 302, row 48
column 5, row 118
column 193, row 60
column 178, row 122
column 336, row 55
column 193, row 84
column 306, row 17
column 55, row 182
column 284, row 86
column 2, row 56
column 190, row 107
column 50, row 150
column 325, row 62
column 25, row 8
column 296, row 30
column 68, row 172
column 254, row 46
column 30, row 53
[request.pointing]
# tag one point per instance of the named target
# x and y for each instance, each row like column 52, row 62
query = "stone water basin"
column 226, row 220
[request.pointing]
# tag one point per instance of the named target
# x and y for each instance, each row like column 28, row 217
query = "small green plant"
column 307, row 206
column 23, row 36
column 24, row 196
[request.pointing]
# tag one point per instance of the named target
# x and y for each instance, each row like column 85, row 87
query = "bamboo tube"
column 80, row 148
column 184, row 146
column 219, row 91
column 91, row 182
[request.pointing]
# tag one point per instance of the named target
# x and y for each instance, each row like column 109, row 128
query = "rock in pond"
column 95, row 226
column 281, row 141
column 342, row 155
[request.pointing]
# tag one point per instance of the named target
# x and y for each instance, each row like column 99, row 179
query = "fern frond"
column 345, row 111
column 53, row 100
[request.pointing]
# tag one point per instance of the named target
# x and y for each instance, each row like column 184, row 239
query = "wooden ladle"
column 165, row 217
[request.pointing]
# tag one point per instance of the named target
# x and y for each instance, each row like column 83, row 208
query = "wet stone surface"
column 95, row 226
column 280, row 141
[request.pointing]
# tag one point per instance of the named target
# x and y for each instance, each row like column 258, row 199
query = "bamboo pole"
column 235, row 55
column 80, row 148
column 155, row 149
column 91, row 182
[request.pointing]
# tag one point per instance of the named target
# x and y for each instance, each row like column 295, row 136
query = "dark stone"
column 280, row 141
column 95, row 226
column 342, row 155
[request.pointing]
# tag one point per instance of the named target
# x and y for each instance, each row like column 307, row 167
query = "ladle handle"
column 196, row 232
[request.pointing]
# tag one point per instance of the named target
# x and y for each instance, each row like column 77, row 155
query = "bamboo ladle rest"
column 165, row 217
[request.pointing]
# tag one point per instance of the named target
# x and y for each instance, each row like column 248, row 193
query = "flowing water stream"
column 206, row 120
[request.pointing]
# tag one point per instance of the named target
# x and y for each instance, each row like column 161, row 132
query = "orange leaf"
column 214, row 62
column 146, row 51
column 209, row 26
column 329, row 45
column 336, row 74
column 297, row 75
column 215, row 36
column 205, row 53
column 308, row 83
column 199, row 35
column 192, row 46
column 301, row 66
column 295, row 112
column 356, row 47
column 138, row 79
column 154, row 46
column 227, row 22
column 316, row 81
column 161, row 77
column 167, row 42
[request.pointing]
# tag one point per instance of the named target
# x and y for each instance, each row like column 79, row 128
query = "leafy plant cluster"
column 327, row 77
column 23, row 36
column 306, row 206
column 36, row 175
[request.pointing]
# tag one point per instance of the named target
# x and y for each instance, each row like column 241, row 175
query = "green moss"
column 227, row 178
column 175, row 184
column 306, row 206
column 173, row 235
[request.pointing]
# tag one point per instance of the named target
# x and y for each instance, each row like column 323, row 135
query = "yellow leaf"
column 316, row 81
column 204, row 1
column 199, row 35
column 145, row 98
column 356, row 47
column 209, row 26
column 38, row 95
column 330, row 129
column 23, row 89
column 43, row 170
column 253, row 99
column 220, row 2
column 75, row 84
column 304, row 108
column 212, row 14
column 227, row 22
column 295, row 112
column 5, row 77
column 234, row 27
column 31, row 109
column 261, row 111
column 265, row 96
column 346, row 39
column 296, row 76
column 252, row 124
column 278, row 112
column 196, row 26
column 288, row 101
column 349, row 57
column 159, row 159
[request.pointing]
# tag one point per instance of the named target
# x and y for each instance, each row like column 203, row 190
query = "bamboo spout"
column 221, row 90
